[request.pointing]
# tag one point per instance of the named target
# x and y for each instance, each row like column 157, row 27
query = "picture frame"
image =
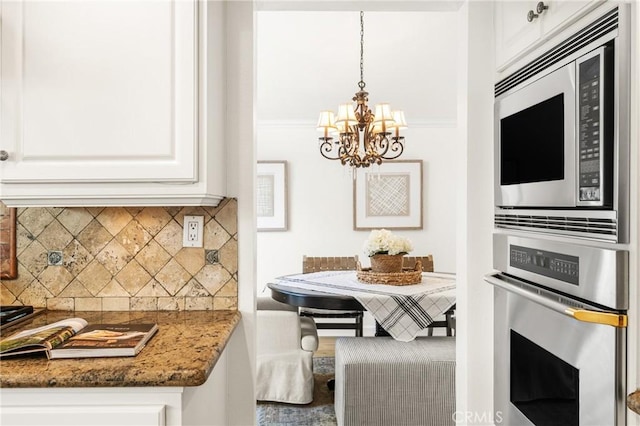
column 271, row 196
column 388, row 196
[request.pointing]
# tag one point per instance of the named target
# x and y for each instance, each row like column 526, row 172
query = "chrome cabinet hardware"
column 4, row 155
column 541, row 7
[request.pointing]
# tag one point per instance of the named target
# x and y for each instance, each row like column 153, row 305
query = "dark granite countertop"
column 182, row 353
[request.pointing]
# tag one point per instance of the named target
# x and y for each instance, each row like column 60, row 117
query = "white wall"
column 301, row 73
column 310, row 61
column 240, row 79
column 321, row 201
column 474, row 332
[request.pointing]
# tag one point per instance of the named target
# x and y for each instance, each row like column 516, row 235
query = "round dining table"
column 305, row 298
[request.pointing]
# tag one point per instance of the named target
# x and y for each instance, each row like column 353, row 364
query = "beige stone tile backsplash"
column 124, row 258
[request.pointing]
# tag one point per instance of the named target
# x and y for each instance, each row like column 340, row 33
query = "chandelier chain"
column 361, row 84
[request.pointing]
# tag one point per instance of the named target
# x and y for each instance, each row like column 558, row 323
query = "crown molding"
column 308, row 124
column 357, row 5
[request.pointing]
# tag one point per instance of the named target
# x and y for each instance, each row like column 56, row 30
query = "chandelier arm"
column 326, row 148
column 356, row 160
column 354, row 146
column 394, row 148
column 349, row 146
column 381, row 144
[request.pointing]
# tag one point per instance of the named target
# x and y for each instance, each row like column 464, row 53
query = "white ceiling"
column 310, row 61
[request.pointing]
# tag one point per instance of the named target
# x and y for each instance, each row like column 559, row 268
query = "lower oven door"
column 551, row 368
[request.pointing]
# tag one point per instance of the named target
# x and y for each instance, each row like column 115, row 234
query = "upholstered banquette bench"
column 380, row 381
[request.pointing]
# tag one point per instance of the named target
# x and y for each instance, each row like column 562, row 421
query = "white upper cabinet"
column 514, row 33
column 101, row 104
column 523, row 25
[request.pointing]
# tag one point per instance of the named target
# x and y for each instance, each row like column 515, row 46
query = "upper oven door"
column 535, row 143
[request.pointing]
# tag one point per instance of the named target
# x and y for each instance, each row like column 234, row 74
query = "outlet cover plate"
column 193, row 231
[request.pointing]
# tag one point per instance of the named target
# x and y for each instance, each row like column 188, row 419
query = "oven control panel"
column 594, row 126
column 553, row 265
column 590, row 137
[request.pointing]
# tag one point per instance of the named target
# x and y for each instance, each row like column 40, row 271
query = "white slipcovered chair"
column 285, row 345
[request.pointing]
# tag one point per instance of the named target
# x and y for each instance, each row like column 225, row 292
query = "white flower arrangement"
column 381, row 241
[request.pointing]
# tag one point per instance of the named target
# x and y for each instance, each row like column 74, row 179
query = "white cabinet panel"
column 516, row 35
column 204, row 405
column 70, row 415
column 99, row 91
column 112, row 102
column 561, row 12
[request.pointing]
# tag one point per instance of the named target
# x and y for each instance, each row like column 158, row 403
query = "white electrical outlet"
column 193, row 231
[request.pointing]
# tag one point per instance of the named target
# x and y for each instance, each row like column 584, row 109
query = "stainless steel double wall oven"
column 560, row 243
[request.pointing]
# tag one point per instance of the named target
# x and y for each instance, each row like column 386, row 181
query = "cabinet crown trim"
column 604, row 25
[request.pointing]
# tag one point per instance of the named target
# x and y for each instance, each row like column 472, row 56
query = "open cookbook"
column 75, row 338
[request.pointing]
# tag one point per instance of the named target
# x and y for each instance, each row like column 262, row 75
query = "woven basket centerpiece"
column 403, row 277
column 388, row 263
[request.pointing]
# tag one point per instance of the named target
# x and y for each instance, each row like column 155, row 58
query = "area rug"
column 320, row 412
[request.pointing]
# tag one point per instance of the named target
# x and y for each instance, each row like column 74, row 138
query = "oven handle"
column 584, row 315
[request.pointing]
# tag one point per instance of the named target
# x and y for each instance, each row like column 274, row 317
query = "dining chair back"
column 427, row 262
column 316, row 264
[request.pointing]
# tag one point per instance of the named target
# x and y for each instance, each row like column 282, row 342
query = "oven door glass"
column 543, row 387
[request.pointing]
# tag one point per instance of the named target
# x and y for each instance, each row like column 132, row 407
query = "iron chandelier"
column 356, row 126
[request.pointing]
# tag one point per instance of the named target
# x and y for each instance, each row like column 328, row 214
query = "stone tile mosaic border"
column 116, row 258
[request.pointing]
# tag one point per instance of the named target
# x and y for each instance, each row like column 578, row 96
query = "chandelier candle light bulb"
column 346, row 115
column 399, row 123
column 383, row 117
column 359, row 127
column 327, row 123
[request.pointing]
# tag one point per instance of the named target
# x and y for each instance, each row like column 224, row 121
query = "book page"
column 41, row 338
column 109, row 336
column 76, row 325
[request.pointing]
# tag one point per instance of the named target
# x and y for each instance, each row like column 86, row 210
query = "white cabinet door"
column 561, row 12
column 99, row 91
column 516, row 36
column 206, row 404
column 514, row 32
column 82, row 415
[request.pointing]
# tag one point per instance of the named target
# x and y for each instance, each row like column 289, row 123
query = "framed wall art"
column 388, row 196
column 271, row 195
